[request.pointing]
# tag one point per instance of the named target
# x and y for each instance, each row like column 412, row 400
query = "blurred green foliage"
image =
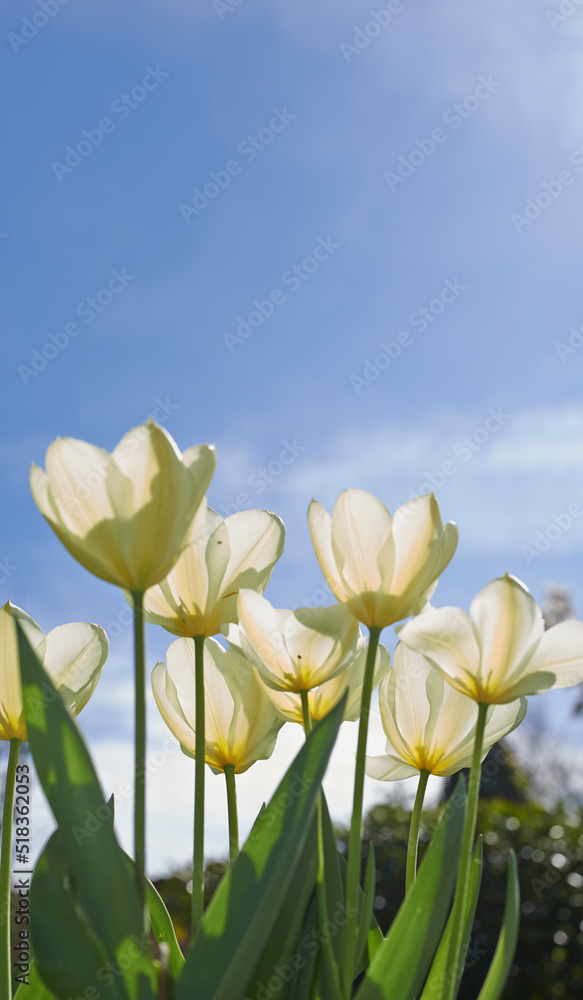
column 549, row 959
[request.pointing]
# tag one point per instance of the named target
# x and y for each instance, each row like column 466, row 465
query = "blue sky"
column 479, row 108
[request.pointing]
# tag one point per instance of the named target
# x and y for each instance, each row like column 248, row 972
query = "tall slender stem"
column 199, row 765
column 140, row 751
column 354, row 842
column 232, row 811
column 459, row 903
column 306, row 713
column 5, row 871
column 330, row 971
column 411, row 872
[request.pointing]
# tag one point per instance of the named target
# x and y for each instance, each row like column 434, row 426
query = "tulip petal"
column 389, row 768
column 318, row 641
column 166, row 698
column 446, row 636
column 72, row 504
column 241, row 725
column 149, row 487
column 78, row 473
column 287, row 704
column 199, row 595
column 73, row 656
column 180, row 666
column 179, row 603
column 509, row 625
column 41, row 492
column 417, row 531
column 263, row 627
column 320, row 525
column 557, row 661
column 256, row 540
column 12, row 723
column 200, row 462
column 252, row 730
column 449, row 545
column 361, row 529
column 217, row 554
column 431, row 725
column 503, row 720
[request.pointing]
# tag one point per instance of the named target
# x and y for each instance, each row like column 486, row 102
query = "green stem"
column 140, row 749
column 232, row 811
column 306, row 713
column 461, row 889
column 5, row 871
column 411, row 872
column 355, row 839
column 199, row 764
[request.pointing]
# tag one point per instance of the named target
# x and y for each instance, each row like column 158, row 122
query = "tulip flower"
column 125, row 516
column 321, row 699
column 428, row 724
column 72, row 656
column 297, row 650
column 199, row 596
column 500, row 651
column 381, row 567
column 431, row 729
column 241, row 724
column 497, row 653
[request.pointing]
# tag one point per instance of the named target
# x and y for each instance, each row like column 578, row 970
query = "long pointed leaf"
column 34, row 989
column 438, row 975
column 329, row 886
column 163, row 929
column 67, row 952
column 104, row 886
column 375, row 936
column 276, row 960
column 333, row 887
column 400, row 965
column 366, row 910
column 506, row 947
column 306, row 956
column 243, row 911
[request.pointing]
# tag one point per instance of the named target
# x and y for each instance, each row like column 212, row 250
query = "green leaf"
column 275, row 962
column 305, row 957
column 161, row 924
column 67, row 952
column 35, row 989
column 333, row 884
column 330, row 895
column 437, row 977
column 163, row 929
column 103, row 885
column 400, row 965
column 66, row 948
column 366, row 910
column 239, row 920
column 374, row 940
column 504, row 954
column 375, row 936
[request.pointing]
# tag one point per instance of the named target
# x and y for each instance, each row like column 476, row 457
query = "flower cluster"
column 145, row 525
column 138, row 518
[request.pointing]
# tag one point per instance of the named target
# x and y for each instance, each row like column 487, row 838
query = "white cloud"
column 498, row 484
